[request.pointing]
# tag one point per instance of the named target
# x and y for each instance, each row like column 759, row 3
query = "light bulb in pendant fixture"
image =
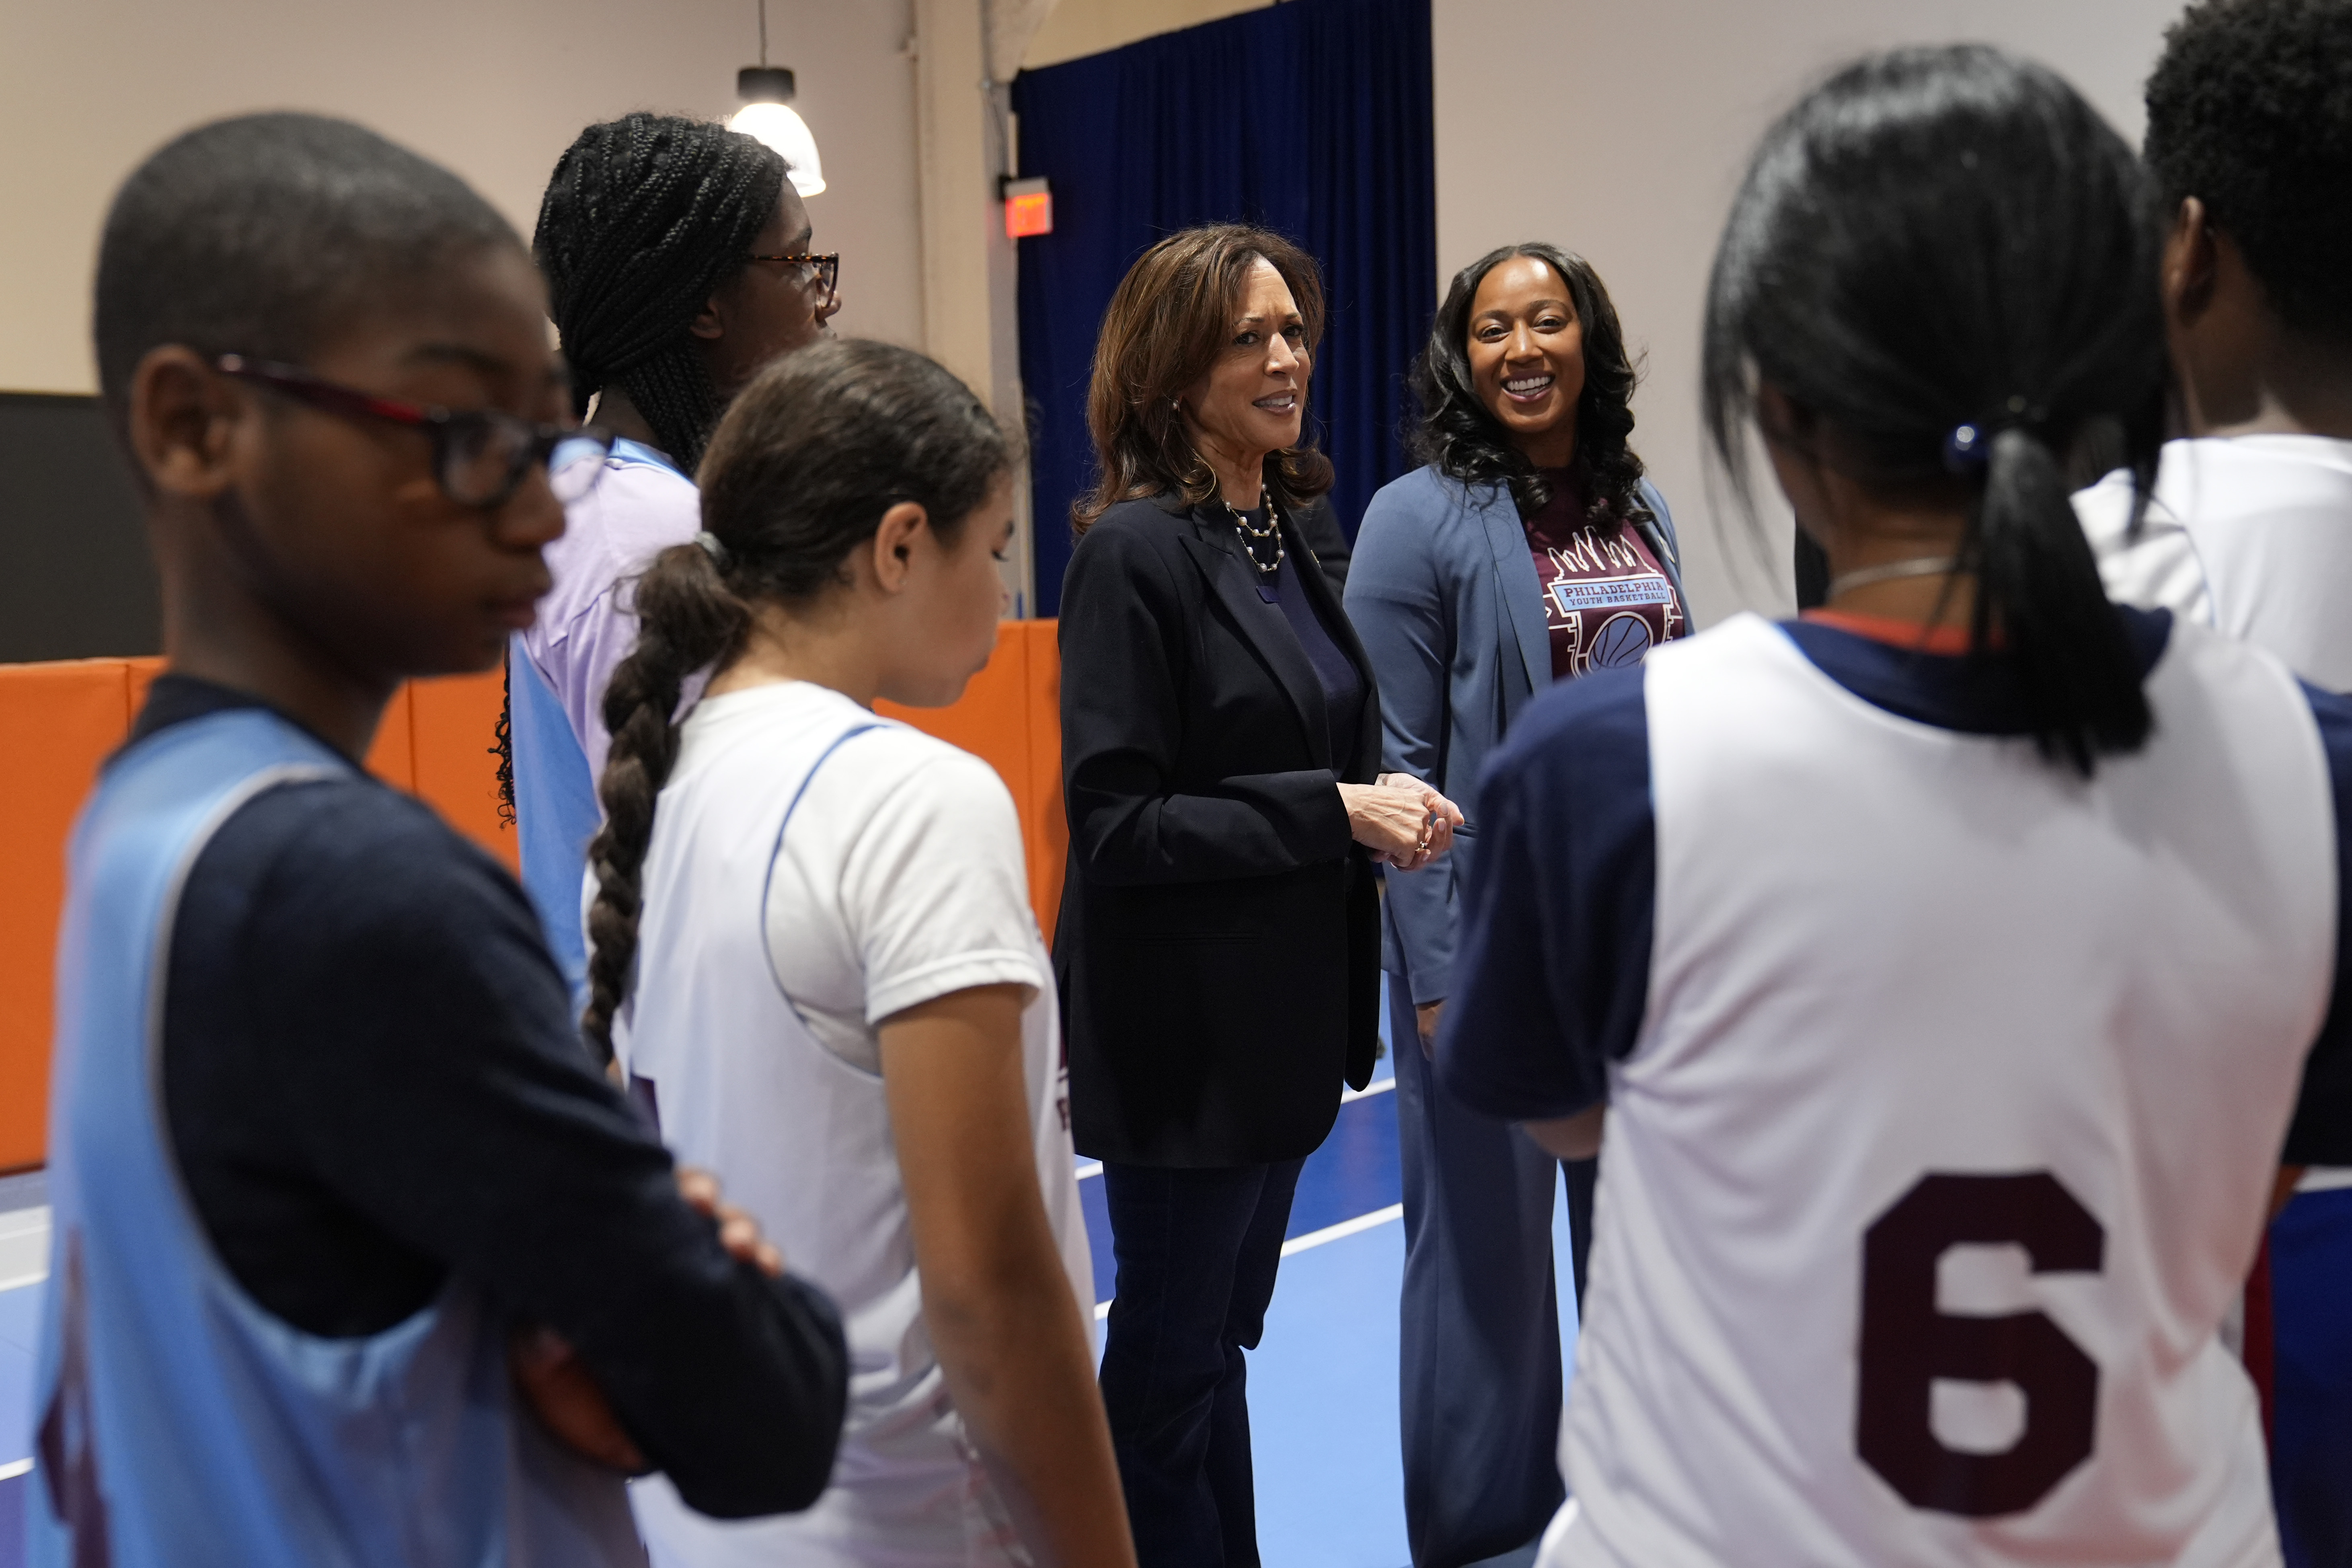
column 767, row 116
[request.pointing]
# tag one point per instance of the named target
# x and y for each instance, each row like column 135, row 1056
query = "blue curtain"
column 1311, row 118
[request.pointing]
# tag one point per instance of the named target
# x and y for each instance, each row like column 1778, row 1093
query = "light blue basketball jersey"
column 179, row 1422
column 556, row 812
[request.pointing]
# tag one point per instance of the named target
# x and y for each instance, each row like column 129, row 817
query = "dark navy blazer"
column 1443, row 591
column 1218, row 951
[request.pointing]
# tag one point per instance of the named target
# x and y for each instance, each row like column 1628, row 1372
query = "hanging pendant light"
column 767, row 116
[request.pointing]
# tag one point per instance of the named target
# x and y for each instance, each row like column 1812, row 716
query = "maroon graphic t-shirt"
column 1607, row 602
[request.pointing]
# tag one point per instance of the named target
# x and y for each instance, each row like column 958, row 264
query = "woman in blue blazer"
column 1528, row 549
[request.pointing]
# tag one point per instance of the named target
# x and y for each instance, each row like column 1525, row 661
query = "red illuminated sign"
column 1028, row 209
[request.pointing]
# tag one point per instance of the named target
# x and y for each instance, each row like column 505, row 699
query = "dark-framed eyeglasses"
column 480, row 456
column 821, row 274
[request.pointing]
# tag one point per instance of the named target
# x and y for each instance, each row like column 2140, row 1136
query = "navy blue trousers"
column 1197, row 1252
column 2311, row 1443
column 1480, row 1386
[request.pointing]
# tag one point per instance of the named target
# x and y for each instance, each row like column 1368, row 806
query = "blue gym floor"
column 1323, row 1387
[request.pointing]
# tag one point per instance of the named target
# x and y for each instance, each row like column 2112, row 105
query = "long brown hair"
column 801, row 468
column 1173, row 316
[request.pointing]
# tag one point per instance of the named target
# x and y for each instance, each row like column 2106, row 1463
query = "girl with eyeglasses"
column 678, row 260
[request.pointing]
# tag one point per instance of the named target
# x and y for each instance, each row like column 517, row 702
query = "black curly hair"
column 1463, row 440
column 2250, row 110
column 643, row 217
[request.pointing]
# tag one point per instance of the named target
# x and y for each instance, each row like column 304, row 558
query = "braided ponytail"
column 688, row 620
column 808, row 458
column 643, row 218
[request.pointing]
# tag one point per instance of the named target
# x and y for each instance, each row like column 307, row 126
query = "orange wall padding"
column 58, row 722
column 1010, row 718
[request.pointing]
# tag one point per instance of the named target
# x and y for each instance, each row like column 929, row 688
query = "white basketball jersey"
column 802, row 1138
column 1947, row 1140
column 2250, row 535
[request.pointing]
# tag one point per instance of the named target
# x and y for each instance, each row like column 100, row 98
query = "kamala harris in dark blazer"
column 1220, row 930
column 1218, row 951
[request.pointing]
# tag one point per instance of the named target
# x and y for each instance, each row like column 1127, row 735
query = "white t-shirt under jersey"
column 2249, row 534
column 890, row 874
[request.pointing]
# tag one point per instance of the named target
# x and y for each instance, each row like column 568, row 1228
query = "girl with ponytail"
column 814, row 958
column 1945, row 968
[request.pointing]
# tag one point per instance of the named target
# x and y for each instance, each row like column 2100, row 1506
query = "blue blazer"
column 1443, row 591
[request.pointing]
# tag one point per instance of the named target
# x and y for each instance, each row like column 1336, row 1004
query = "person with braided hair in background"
column 815, row 959
column 677, row 255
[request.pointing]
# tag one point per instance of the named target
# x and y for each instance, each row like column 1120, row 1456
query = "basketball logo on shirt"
column 1623, row 638
column 1606, row 603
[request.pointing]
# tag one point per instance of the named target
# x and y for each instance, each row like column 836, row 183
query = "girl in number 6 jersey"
column 841, row 1000
column 1943, row 968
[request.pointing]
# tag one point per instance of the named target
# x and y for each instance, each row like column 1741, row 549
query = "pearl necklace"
column 1253, row 534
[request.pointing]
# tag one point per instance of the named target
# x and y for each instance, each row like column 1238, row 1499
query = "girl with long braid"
column 677, row 255
column 814, row 952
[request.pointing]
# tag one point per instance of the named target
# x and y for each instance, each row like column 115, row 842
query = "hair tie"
column 1966, row 448
column 1969, row 447
column 712, row 547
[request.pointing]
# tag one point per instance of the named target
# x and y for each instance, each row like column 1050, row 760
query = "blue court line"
column 13, row 1499
column 1354, row 1175
column 1324, row 1431
column 20, row 1320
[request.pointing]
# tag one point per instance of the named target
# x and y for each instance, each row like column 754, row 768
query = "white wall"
column 1621, row 131
column 1076, row 27
column 494, row 89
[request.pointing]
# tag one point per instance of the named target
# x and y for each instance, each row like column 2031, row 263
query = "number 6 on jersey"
column 1908, row 1342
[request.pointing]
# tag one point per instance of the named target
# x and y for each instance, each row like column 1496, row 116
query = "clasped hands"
column 1402, row 821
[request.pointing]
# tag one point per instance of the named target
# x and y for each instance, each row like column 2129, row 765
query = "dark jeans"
column 1197, row 1253
column 2311, row 1439
column 1480, row 1386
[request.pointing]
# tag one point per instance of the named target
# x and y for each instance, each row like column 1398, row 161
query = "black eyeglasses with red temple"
column 480, row 456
